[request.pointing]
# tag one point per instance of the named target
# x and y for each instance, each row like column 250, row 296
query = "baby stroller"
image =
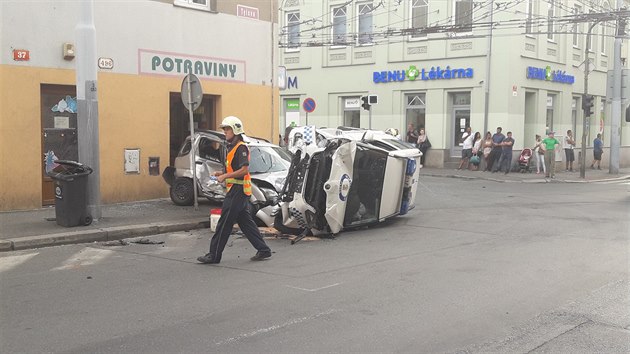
column 523, row 160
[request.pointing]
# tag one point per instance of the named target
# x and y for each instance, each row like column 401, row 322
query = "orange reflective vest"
column 247, row 179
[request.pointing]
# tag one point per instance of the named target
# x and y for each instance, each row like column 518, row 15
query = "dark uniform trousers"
column 236, row 209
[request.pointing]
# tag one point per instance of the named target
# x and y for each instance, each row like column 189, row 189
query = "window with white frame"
column 293, row 31
column 339, row 26
column 551, row 13
column 530, row 17
column 603, row 40
column 365, row 23
column 463, row 15
column 208, row 5
column 576, row 36
column 419, row 16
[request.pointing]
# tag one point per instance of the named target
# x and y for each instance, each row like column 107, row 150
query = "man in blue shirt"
column 495, row 153
column 506, row 154
column 598, row 150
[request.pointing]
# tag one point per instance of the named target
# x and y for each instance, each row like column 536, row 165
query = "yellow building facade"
column 139, row 102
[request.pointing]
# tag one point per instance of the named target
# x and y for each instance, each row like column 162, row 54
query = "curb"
column 538, row 180
column 100, row 235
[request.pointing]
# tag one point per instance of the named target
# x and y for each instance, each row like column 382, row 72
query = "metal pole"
column 486, row 108
column 615, row 121
column 193, row 154
column 584, row 117
column 87, row 105
column 273, row 116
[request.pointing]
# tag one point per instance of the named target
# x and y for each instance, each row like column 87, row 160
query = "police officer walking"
column 236, row 206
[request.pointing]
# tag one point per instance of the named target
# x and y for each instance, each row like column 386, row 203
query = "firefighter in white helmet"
column 236, row 206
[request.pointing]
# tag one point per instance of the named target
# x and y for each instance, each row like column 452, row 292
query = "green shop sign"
column 292, row 104
column 174, row 64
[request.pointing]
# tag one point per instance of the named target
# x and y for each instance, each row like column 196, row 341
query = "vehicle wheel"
column 278, row 225
column 87, row 220
column 182, row 191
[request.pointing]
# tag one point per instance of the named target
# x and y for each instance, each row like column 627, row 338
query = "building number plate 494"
column 106, row 63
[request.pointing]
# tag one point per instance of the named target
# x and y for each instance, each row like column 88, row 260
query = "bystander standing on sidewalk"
column 467, row 141
column 412, row 134
column 423, row 144
column 569, row 144
column 495, row 154
column 475, row 160
column 539, row 151
column 549, row 145
column 506, row 155
column 487, row 148
column 598, row 150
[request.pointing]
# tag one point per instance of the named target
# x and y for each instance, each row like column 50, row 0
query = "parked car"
column 347, row 183
column 268, row 167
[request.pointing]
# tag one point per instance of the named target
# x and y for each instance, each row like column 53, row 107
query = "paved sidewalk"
column 37, row 228
column 530, row 177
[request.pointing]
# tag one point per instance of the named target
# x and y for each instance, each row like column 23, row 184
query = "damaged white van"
column 346, row 184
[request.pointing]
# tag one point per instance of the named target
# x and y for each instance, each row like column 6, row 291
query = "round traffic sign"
column 309, row 105
column 191, row 84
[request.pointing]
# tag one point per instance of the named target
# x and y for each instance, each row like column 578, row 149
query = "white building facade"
column 440, row 65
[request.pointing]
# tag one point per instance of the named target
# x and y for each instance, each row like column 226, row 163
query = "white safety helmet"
column 392, row 131
column 234, row 123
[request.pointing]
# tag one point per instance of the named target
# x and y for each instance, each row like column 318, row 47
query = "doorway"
column 204, row 118
column 415, row 112
column 59, row 132
column 461, row 120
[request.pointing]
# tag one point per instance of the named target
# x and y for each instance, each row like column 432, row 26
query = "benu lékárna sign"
column 174, row 64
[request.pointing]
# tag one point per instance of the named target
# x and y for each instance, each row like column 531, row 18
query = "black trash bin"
column 71, row 193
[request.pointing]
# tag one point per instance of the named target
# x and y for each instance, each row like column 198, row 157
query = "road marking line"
column 275, row 327
column 313, row 290
column 10, row 262
column 86, row 256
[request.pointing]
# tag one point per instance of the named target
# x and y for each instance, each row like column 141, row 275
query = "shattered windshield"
column 268, row 159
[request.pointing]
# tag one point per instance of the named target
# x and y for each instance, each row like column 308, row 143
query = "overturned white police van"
column 351, row 180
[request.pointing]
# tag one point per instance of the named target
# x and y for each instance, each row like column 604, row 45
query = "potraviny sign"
column 175, row 64
column 413, row 73
column 547, row 74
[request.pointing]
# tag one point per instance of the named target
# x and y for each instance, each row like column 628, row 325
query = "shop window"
column 207, row 5
column 551, row 101
column 352, row 119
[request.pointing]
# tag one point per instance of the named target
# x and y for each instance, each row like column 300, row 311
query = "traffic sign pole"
column 193, row 158
column 192, row 95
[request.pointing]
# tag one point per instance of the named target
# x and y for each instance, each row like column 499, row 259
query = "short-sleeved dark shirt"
column 508, row 148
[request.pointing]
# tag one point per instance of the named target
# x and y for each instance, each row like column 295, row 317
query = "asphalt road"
column 477, row 266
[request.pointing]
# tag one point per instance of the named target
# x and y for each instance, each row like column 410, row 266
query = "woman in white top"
column 540, row 154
